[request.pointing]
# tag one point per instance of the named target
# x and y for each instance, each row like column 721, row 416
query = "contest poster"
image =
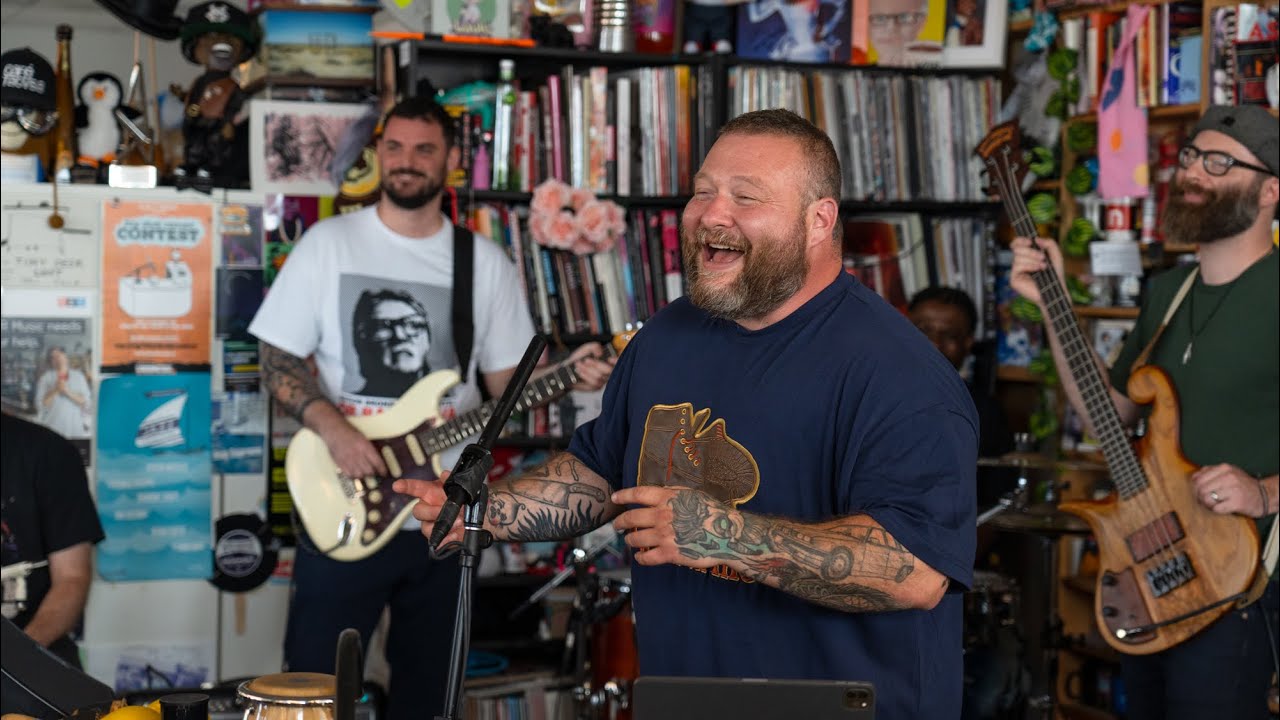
column 154, row 467
column 156, row 283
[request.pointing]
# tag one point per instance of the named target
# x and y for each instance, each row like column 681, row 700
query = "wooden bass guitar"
column 1169, row 566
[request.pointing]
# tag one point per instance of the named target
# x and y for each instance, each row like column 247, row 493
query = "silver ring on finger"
column 1215, row 497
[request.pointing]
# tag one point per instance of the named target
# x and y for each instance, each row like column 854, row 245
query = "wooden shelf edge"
column 1115, row 313
column 1156, row 112
column 1016, row 373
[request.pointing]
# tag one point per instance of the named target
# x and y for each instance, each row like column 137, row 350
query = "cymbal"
column 1039, row 462
column 1042, row 519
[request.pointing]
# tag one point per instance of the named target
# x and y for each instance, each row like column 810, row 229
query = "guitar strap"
column 462, row 300
column 1173, row 307
column 1270, row 548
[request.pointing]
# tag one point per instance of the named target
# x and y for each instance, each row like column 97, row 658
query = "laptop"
column 685, row 698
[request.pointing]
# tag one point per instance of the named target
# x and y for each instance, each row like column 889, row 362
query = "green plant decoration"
column 1082, row 137
column 1079, row 180
column 1071, row 88
column 1043, row 366
column 1079, row 235
column 1078, row 291
column 1025, row 310
column 1043, row 421
column 1043, row 208
column 1062, row 63
column 1041, row 161
column 1056, row 107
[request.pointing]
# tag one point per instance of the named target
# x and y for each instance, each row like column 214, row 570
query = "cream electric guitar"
column 351, row 518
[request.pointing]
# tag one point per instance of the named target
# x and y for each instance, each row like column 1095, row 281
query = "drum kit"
column 1009, row 674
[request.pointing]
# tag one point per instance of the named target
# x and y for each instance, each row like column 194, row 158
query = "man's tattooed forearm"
column 536, row 523
column 826, row 564
column 551, row 502
column 289, row 380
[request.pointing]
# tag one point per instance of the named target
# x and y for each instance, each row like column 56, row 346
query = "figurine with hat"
column 27, row 106
column 217, row 36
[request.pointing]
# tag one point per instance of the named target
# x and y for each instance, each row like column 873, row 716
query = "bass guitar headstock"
column 1001, row 154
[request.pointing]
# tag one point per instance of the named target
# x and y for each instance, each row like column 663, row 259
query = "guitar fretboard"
column 1126, row 471
column 539, row 390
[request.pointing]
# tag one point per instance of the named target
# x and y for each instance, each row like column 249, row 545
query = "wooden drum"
column 289, row 696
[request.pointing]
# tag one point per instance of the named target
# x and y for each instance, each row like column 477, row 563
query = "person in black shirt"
column 49, row 526
column 948, row 317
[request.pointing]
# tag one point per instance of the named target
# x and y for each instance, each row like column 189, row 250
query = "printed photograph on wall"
column 292, row 144
column 906, row 33
column 817, row 31
column 975, row 33
column 156, row 266
column 284, row 219
column 48, row 367
column 483, row 18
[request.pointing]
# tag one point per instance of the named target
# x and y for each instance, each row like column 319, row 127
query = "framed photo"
column 906, row 33
column 975, row 34
column 291, row 144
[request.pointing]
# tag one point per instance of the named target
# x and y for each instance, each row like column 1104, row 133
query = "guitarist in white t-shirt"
column 398, row 256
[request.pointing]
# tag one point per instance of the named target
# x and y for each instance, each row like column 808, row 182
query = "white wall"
column 100, row 42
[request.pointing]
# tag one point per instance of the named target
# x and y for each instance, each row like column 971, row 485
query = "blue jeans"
column 329, row 596
column 1221, row 672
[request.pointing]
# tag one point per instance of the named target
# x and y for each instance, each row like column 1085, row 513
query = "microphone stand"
column 466, row 486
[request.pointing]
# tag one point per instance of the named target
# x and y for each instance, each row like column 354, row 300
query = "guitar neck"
column 1125, row 470
column 540, row 390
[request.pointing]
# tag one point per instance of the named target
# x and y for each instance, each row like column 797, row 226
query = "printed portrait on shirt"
column 399, row 332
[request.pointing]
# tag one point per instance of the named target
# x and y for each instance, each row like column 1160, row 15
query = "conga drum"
column 289, row 696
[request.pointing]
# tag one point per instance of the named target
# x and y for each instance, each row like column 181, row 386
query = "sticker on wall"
column 154, row 468
column 244, row 552
column 156, row 268
column 33, row 254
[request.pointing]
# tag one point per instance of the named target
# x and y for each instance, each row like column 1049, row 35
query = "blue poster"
column 154, row 466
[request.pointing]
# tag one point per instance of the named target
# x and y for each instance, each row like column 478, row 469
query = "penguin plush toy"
column 98, row 131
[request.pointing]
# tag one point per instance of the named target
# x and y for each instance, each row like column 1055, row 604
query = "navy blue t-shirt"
column 842, row 408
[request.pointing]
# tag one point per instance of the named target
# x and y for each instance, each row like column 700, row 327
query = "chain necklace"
column 1191, row 319
column 1191, row 308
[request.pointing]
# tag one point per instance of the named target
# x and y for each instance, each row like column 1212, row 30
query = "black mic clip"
column 466, row 491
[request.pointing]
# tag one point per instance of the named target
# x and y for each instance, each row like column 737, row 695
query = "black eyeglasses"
column 35, row 122
column 1215, row 163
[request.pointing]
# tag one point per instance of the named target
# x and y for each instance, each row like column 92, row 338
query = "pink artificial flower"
column 593, row 220
column 562, row 231
column 550, row 197
column 539, row 227
column 580, row 198
column 583, row 246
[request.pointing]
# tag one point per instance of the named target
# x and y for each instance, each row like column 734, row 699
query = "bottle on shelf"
column 503, row 118
column 64, row 135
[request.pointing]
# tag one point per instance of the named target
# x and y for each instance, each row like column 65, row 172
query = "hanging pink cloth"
column 1122, row 125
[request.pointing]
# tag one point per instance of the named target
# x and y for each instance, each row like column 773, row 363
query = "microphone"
column 466, row 483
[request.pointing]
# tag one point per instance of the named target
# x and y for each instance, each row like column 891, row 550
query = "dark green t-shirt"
column 1229, row 389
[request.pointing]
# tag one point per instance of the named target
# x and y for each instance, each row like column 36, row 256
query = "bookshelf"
column 692, row 96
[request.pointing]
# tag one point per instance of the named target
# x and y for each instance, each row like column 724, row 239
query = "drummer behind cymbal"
column 948, row 317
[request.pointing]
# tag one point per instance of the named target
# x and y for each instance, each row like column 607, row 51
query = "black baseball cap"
column 27, row 80
column 1251, row 126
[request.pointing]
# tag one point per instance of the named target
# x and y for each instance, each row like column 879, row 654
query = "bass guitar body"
column 1162, row 553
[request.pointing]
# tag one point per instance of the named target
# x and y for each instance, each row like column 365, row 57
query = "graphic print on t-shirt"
column 681, row 449
column 398, row 332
